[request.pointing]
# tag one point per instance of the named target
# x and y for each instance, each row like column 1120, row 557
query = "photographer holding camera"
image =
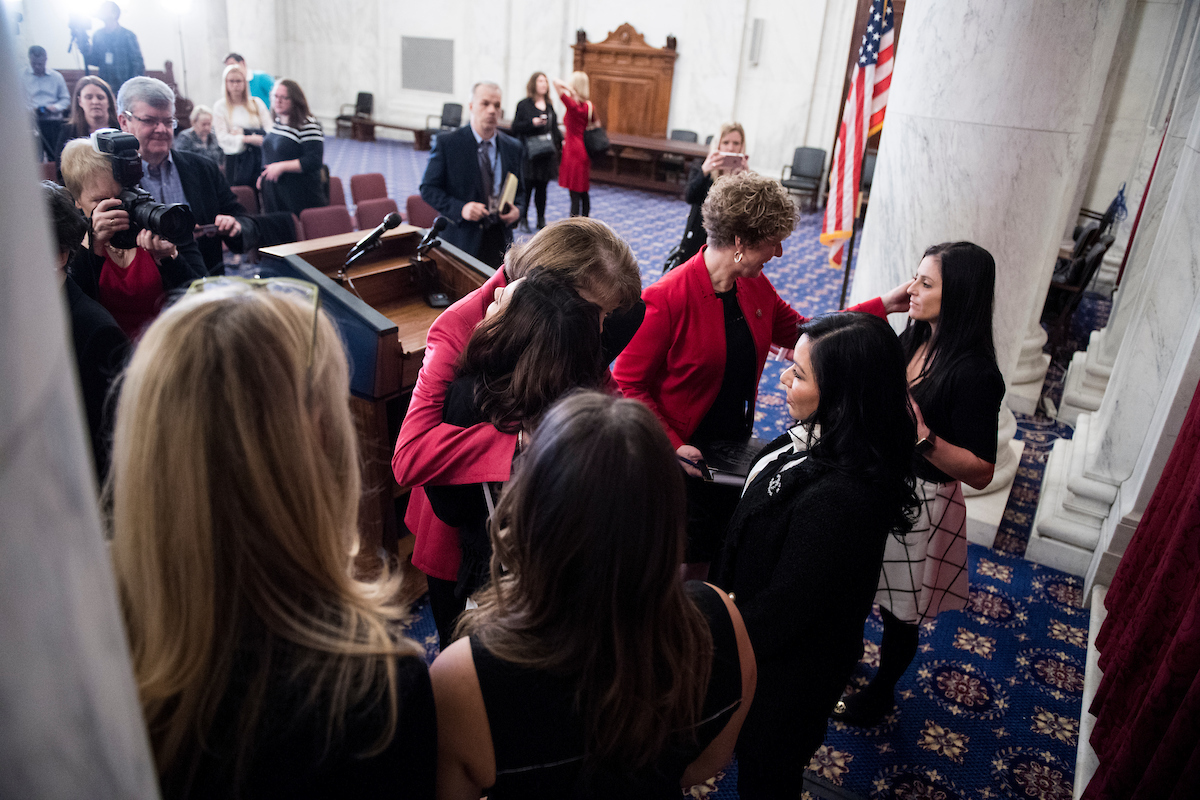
column 137, row 251
column 112, row 49
column 146, row 109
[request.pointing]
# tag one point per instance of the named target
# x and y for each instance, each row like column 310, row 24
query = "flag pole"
column 853, row 229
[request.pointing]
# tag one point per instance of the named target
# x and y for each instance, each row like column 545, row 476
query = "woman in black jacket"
column 806, row 542
column 535, row 118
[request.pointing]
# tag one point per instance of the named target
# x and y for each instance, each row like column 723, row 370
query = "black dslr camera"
column 174, row 223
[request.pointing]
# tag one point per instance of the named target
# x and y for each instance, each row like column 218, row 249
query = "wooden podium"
column 383, row 319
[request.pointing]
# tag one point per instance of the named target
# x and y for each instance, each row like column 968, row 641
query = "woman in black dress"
column 589, row 669
column 265, row 669
column 293, row 151
column 805, row 544
column 539, row 341
column 535, row 118
column 956, row 389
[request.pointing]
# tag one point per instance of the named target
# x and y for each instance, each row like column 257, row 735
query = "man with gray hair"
column 146, row 108
column 464, row 177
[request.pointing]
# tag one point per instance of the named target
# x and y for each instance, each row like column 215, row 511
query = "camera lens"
column 174, row 223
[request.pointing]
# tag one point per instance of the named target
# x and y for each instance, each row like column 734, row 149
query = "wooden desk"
column 383, row 319
column 636, row 161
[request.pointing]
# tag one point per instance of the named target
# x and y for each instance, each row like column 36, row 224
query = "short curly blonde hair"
column 747, row 206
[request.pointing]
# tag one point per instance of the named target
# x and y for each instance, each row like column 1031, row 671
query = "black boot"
column 541, row 221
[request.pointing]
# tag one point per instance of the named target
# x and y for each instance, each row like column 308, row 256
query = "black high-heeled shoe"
column 862, row 711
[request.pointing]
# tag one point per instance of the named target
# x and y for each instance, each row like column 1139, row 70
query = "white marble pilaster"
column 1089, row 371
column 1118, row 453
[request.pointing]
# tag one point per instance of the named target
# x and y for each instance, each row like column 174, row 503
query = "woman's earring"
column 737, row 257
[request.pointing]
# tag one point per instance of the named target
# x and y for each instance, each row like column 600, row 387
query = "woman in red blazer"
column 601, row 267
column 698, row 356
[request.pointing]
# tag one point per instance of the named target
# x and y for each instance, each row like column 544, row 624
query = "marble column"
column 71, row 724
column 979, row 144
column 1029, row 375
column 1097, row 484
column 1088, row 373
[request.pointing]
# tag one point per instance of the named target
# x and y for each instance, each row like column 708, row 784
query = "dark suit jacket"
column 208, row 194
column 101, row 348
column 452, row 179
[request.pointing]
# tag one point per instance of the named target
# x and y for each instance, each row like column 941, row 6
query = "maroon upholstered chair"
column 247, row 197
column 420, row 213
column 371, row 212
column 325, row 221
column 368, row 186
column 337, row 195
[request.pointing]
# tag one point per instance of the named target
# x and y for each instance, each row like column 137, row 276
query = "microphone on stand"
column 371, row 240
column 426, row 269
column 430, row 239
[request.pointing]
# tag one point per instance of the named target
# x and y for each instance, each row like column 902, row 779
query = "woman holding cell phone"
column 727, row 157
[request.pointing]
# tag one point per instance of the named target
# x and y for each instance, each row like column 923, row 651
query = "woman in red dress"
column 576, row 166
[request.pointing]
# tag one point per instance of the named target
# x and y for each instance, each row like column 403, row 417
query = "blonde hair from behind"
column 747, row 206
column 591, row 256
column 581, row 85
column 81, row 164
column 234, row 492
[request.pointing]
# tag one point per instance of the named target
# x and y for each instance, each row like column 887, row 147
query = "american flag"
column 863, row 115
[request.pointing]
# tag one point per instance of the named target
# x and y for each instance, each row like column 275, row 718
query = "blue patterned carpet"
column 991, row 706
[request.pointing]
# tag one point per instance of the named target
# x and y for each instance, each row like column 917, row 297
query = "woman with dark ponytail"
column 956, row 390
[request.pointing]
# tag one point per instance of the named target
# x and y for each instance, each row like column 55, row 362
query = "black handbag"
column 595, row 140
column 539, row 147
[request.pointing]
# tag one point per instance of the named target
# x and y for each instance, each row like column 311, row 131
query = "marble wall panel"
column 920, row 197
column 1173, row 145
column 253, row 32
column 1149, row 375
column 775, row 96
column 1135, row 93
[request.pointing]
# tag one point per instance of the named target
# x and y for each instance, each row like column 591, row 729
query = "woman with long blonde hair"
column 264, row 667
column 240, row 119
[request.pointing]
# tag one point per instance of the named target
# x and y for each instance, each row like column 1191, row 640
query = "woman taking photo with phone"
column 726, row 157
column 956, row 389
column 807, row 539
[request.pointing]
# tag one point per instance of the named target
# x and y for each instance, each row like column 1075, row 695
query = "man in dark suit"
column 464, row 177
column 147, row 110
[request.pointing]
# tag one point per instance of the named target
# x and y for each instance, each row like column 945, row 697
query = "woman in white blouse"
column 239, row 120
